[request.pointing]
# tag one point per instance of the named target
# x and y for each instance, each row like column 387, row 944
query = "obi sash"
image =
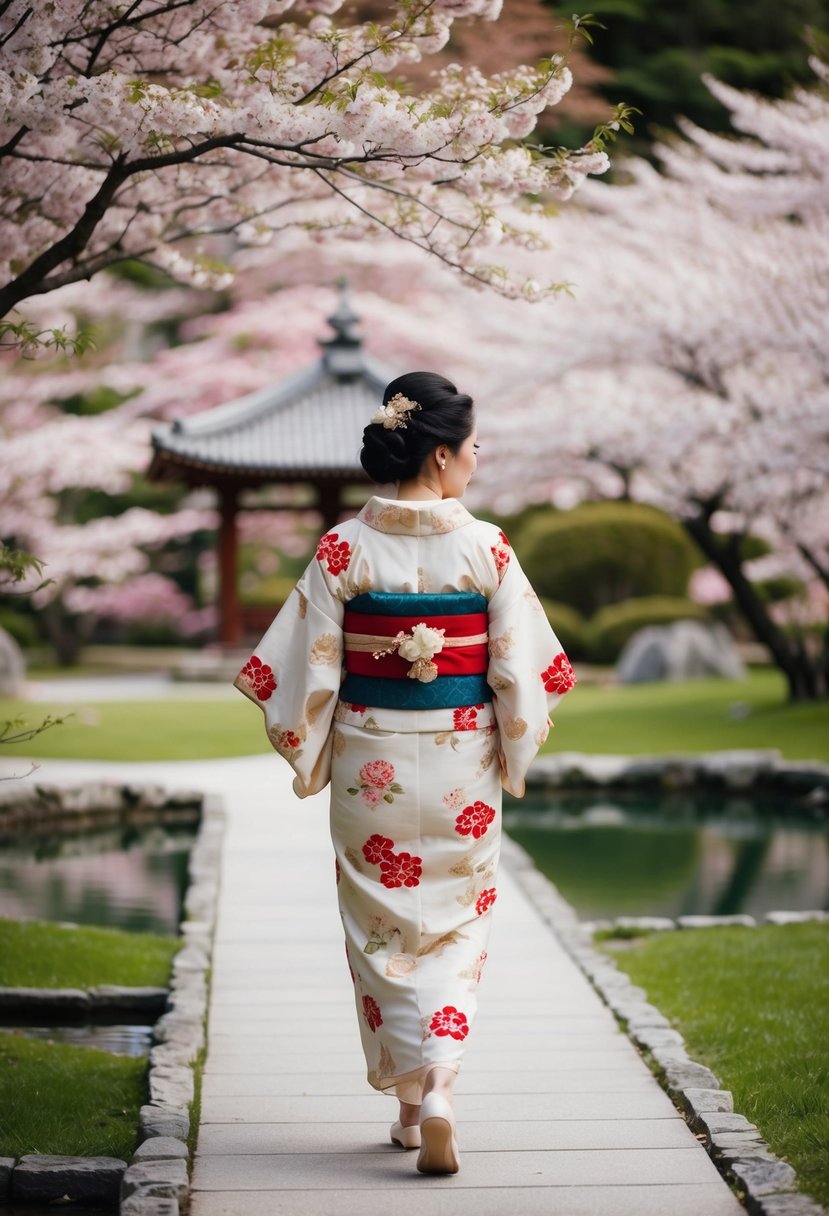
column 370, row 622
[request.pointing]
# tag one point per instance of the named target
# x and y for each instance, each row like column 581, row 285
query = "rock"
column 747, row 1142
column 171, row 1086
column 659, row 1036
column 682, row 1074
column 713, row 922
column 50, row 1000
column 647, row 1015
column 140, row 1204
column 113, row 996
column 46, row 1178
column 6, row 1167
column 644, row 922
column 791, row 1203
column 706, row 1101
column 161, row 1148
column 680, row 651
column 155, row 1120
column 795, row 918
column 12, row 666
column 765, row 1177
column 162, row 1179
column 725, row 1122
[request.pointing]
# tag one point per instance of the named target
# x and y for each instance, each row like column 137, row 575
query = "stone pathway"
column 557, row 1112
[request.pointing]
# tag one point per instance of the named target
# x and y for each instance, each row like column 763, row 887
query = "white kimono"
column 415, row 808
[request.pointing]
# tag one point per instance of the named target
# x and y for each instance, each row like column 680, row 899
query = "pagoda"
column 304, row 431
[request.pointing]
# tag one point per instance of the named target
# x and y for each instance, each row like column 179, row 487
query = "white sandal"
column 439, row 1148
column 406, row 1137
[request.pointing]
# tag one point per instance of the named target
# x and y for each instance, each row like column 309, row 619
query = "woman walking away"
column 413, row 666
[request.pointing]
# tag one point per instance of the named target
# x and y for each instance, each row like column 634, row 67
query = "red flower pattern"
column 474, row 820
column 379, row 773
column 377, row 848
column 465, row 718
column 289, row 741
column 357, row 709
column 485, row 900
column 260, row 677
column 401, row 870
column 334, row 552
column 449, row 1021
column 371, row 1011
column 482, row 957
column 559, row 675
column 500, row 553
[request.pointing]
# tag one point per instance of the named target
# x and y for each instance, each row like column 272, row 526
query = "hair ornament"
column 393, row 414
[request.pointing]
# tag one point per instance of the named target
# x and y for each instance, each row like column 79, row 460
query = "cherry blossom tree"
column 151, row 130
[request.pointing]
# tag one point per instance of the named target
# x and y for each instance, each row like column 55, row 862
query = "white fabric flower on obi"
column 420, row 648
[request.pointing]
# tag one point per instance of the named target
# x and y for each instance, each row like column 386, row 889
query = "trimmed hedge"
column 613, row 626
column 569, row 625
column 605, row 552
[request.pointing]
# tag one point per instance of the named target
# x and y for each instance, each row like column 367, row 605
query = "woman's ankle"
column 440, row 1080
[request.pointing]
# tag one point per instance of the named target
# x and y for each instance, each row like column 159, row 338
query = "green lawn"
column 39, row 954
column 57, row 1098
column 753, row 1005
column 693, row 716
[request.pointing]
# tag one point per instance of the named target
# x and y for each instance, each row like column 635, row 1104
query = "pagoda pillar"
column 230, row 617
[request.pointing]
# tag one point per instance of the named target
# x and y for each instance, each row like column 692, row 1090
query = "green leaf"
column 353, row 791
column 388, row 798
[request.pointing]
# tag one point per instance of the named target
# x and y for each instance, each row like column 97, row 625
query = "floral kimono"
column 413, row 667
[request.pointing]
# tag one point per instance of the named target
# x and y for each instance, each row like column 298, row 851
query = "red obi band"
column 461, row 660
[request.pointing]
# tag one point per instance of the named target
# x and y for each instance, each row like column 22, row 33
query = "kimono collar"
column 411, row 517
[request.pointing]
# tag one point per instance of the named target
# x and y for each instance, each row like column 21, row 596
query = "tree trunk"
column 807, row 676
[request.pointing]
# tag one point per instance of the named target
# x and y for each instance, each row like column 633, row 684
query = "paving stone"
column 156, row 1178
column 49, row 1178
column 660, row 923
column 679, row 1074
column 740, row 1140
column 6, row 1167
column 160, row 1148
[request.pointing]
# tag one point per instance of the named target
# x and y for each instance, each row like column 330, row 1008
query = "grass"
column 40, row 954
column 56, row 1098
column 753, row 1005
column 689, row 716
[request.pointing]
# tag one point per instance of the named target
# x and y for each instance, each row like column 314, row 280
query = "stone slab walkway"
column 557, row 1112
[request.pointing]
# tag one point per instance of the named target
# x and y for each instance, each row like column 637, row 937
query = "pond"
column 122, row 1040
column 622, row 856
column 124, row 878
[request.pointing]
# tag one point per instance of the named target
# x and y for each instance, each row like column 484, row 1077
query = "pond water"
column 120, row 1040
column 617, row 856
column 123, row 878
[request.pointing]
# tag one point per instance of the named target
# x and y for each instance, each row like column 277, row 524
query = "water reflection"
column 120, row 1040
column 674, row 857
column 133, row 878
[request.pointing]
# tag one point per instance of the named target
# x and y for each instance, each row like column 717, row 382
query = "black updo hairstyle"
column 445, row 416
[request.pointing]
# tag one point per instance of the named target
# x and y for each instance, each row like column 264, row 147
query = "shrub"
column 20, row 626
column 569, row 625
column 605, row 552
column 610, row 628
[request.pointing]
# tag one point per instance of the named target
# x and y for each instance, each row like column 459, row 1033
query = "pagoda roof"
column 309, row 426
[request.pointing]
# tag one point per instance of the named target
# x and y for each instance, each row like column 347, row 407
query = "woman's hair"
column 445, row 416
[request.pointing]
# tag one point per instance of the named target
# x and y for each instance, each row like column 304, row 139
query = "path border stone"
column 805, row 783
column 156, row 1181
column 766, row 1184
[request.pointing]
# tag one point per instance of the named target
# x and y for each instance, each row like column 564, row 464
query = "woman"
column 414, row 668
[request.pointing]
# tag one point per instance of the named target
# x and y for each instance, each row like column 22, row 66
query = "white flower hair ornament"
column 393, row 414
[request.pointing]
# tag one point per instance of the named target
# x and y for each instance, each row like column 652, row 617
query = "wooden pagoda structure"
column 306, row 430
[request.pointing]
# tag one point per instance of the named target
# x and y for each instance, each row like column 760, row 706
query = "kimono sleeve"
column 528, row 669
column 294, row 677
